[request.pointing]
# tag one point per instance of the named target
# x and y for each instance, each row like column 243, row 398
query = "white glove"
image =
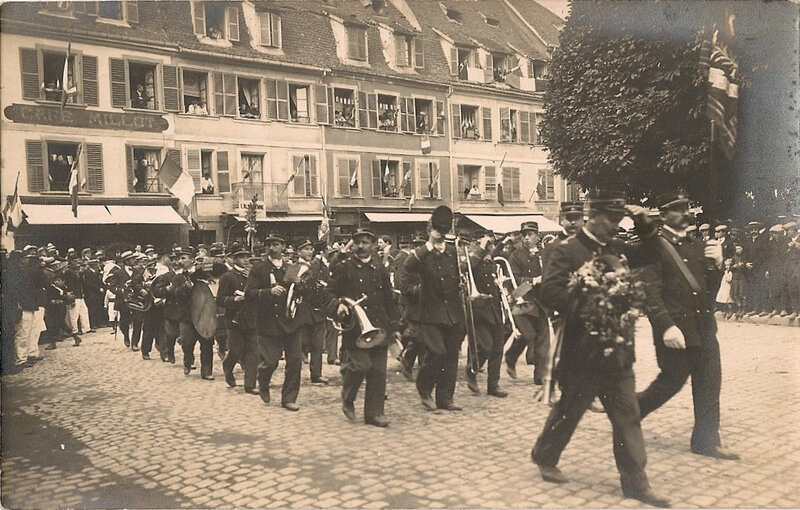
column 673, row 338
column 713, row 251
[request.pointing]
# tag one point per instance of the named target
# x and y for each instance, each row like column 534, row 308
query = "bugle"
column 369, row 335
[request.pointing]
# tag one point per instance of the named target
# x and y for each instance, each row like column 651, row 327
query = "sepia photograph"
column 399, row 254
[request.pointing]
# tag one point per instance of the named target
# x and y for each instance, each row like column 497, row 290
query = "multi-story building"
column 373, row 107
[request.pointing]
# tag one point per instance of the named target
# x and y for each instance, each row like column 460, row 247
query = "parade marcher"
column 331, row 333
column 116, row 280
column 275, row 333
column 152, row 316
column 310, row 313
column 490, row 332
column 58, row 302
column 409, row 311
column 580, row 377
column 78, row 314
column 239, row 320
column 93, row 291
column 571, row 218
column 181, row 290
column 442, row 322
column 30, row 299
column 363, row 274
column 529, row 316
column 684, row 327
column 170, row 311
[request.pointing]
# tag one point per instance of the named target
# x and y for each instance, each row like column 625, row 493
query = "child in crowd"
column 724, row 301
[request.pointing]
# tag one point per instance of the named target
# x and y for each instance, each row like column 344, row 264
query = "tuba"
column 369, row 336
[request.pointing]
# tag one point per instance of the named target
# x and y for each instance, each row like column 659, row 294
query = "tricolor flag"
column 434, row 182
column 177, row 182
column 297, row 169
column 354, row 178
column 500, row 199
column 723, row 93
column 386, row 173
column 74, row 185
column 68, row 88
column 12, row 212
column 412, row 201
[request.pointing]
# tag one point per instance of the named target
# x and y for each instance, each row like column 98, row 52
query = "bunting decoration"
column 723, row 93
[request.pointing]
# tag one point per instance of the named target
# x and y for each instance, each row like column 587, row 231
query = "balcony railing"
column 270, row 196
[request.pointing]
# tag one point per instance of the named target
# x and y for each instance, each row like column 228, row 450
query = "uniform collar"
column 359, row 263
column 672, row 235
column 591, row 237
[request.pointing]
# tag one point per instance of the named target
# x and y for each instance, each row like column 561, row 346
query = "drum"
column 203, row 308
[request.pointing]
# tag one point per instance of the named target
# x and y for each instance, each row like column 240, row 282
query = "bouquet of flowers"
column 609, row 301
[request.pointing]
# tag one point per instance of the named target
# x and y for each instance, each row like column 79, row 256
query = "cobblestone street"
column 97, row 426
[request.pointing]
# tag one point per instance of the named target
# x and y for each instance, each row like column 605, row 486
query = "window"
column 428, row 179
column 489, row 183
column 49, row 165
column 508, row 124
column 469, row 182
column 466, row 118
column 408, row 51
column 127, row 11
column 356, row 42
column 210, row 170
column 143, row 170
column 42, row 73
column 511, row 190
column 501, row 66
column 109, row 10
column 464, row 63
column 52, row 76
column 304, row 176
column 142, row 85
column 270, row 24
column 546, row 187
column 518, row 126
column 424, row 116
column 60, row 158
column 249, row 98
column 216, row 21
column 538, row 69
column 344, row 107
column 252, row 168
column 206, row 182
column 298, row 103
column 387, row 112
column 572, row 192
column 195, row 92
column 390, row 179
column 347, row 177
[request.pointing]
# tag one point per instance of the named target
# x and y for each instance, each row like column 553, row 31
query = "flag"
column 74, row 186
column 425, row 144
column 723, row 93
column 500, row 198
column 12, row 212
column 434, row 182
column 296, row 169
column 354, row 178
column 412, row 201
column 386, row 173
column 67, row 89
column 324, row 226
column 172, row 176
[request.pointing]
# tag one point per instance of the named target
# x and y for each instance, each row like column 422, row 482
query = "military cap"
column 216, row 251
column 480, row 233
column 605, row 200
column 305, row 242
column 274, row 238
column 529, row 226
column 362, row 232
column 237, row 250
column 201, row 246
column 671, row 199
column 568, row 208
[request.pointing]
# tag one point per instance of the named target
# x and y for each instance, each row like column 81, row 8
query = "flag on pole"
column 434, row 182
column 297, row 169
column 412, row 201
column 324, row 226
column 68, row 89
column 386, row 173
column 74, row 185
column 12, row 212
column 179, row 183
column 500, row 199
column 723, row 92
column 354, row 178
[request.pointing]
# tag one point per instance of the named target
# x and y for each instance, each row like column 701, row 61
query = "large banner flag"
column 68, row 87
column 12, row 212
column 177, row 182
column 74, row 184
column 723, row 93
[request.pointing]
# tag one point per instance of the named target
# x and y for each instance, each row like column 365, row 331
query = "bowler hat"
column 606, row 200
column 363, row 232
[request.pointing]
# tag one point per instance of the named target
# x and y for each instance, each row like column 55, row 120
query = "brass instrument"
column 295, row 277
column 468, row 293
column 505, row 295
column 370, row 336
column 548, row 395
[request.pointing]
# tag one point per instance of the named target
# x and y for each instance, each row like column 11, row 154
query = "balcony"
column 541, row 84
column 270, row 196
column 521, row 82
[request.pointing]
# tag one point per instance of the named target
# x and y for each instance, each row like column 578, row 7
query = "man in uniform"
column 79, row 313
column 310, row 314
column 169, row 309
column 363, row 274
column 571, row 217
column 442, row 322
column 239, row 320
column 276, row 335
column 116, row 280
column 409, row 312
column 684, row 327
column 580, row 377
column 530, row 317
column 93, row 289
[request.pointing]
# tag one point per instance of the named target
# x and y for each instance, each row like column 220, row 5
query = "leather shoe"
column 48, row 347
column 171, row 358
column 405, row 370
column 646, row 496
column 207, row 377
column 349, row 410
column 126, row 342
column 451, row 407
column 497, row 392
column 230, row 379
column 428, row 403
column 378, row 421
column 135, row 348
column 552, row 474
column 717, row 452
column 264, row 394
column 186, row 370
column 472, row 382
column 251, row 391
column 145, row 356
column 511, row 369
column 320, row 380
column 291, row 406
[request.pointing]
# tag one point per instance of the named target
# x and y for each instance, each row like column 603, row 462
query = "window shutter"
column 223, row 172
column 272, row 99
column 456, row 112
column 219, row 94
column 490, row 184
column 34, row 156
column 488, row 69
column 283, row 100
column 229, row 89
column 94, row 167
column 441, row 115
column 404, row 115
column 199, row 18
column 524, row 127
column 363, row 117
column 321, row 98
column 487, row 123
column 298, row 169
column 534, row 129
column 424, row 176
column 193, row 167
column 515, row 191
column 408, row 184
column 508, row 188
column 372, row 107
column 29, row 69
column 419, row 55
column 436, row 181
column 401, row 57
column 505, row 126
column 132, row 11
column 461, row 183
column 119, row 95
column 277, row 38
column 129, row 163
column 331, row 115
column 454, row 61
column 232, row 15
column 412, row 115
column 312, row 175
column 342, row 177
column 89, row 66
column 352, row 42
column 169, row 78
column 265, row 24
column 377, row 189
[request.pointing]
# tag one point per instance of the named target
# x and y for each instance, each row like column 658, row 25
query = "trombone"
column 468, row 293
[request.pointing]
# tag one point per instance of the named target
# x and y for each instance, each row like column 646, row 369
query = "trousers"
column 535, row 336
column 312, row 340
column 358, row 365
column 190, row 337
column 26, row 335
column 241, row 349
column 331, row 342
column 171, row 333
column 270, row 348
column 490, row 350
column 439, row 371
column 79, row 316
column 152, row 331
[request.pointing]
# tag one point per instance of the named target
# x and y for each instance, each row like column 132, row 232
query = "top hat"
column 363, row 232
column 570, row 208
column 302, row 244
column 274, row 238
column 529, row 226
column 442, row 219
column 671, row 199
column 607, row 201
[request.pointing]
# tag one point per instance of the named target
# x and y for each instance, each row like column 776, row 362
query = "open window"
column 305, row 179
column 344, row 107
column 206, row 172
column 142, row 85
column 424, row 116
column 270, row 29
column 144, row 172
column 466, row 117
column 387, row 112
column 195, row 92
column 216, row 20
column 52, row 76
column 408, row 51
column 470, row 182
column 390, row 179
column 60, row 158
column 249, row 95
column 509, row 122
column 299, row 103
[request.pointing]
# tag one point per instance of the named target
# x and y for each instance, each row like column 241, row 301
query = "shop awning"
column 304, row 218
column 398, row 217
column 502, row 224
column 54, row 214
column 145, row 215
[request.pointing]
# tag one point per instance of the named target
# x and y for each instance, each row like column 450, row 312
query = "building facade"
column 374, row 108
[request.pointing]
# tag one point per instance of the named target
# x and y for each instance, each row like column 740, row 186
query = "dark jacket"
column 547, row 250
column 30, row 288
column 74, row 282
column 437, row 292
column 526, row 267
column 270, row 311
column 180, row 295
column 237, row 315
column 486, row 310
column 409, row 303
column 92, row 284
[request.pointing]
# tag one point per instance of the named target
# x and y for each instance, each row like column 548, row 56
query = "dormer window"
column 122, row 11
column 216, row 21
column 270, row 29
column 538, row 69
column 356, row 42
column 452, row 14
column 408, row 51
column 109, row 10
column 492, row 22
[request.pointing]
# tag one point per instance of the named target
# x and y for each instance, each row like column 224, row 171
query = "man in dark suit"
column 116, row 280
column 582, row 373
column 170, row 312
column 409, row 311
column 94, row 291
column 310, row 314
column 571, row 217
column 266, row 290
column 684, row 327
column 363, row 274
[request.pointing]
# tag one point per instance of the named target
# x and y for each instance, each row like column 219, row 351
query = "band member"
column 59, row 301
column 116, row 280
column 361, row 274
column 684, row 327
column 153, row 316
column 409, row 312
column 490, row 332
column 529, row 316
column 442, row 323
column 239, row 321
column 170, row 311
column 78, row 314
column 310, row 314
column 580, row 376
column 571, row 218
column 275, row 333
column 94, row 291
column 180, row 290
column 138, row 300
